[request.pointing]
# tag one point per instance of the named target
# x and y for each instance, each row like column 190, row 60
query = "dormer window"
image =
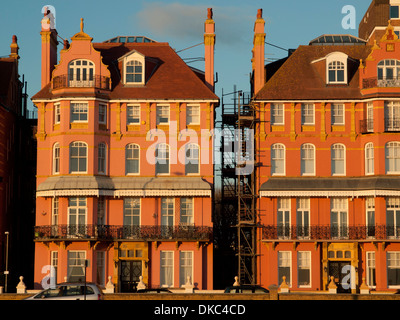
column 134, row 72
column 81, row 73
column 133, row 68
column 336, row 72
column 336, row 68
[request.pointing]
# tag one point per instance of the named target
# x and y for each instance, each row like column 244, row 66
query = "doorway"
column 338, row 271
column 130, row 271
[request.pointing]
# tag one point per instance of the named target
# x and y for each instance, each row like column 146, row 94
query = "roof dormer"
column 133, row 68
column 336, row 68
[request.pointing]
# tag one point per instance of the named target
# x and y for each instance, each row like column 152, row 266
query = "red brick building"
column 125, row 169
column 328, row 139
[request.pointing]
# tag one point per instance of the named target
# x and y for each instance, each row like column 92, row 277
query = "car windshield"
column 49, row 293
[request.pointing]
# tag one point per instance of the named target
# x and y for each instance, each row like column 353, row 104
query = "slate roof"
column 299, row 79
column 167, row 75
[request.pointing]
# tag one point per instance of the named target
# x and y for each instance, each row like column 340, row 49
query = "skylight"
column 337, row 39
column 129, row 39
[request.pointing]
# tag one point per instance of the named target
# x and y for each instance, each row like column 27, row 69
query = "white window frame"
column 370, row 271
column 133, row 114
column 335, row 62
column 101, row 268
column 81, row 110
column 186, row 211
column 193, row 114
column 340, row 214
column 81, row 144
column 186, row 263
column 307, row 112
column 101, row 210
column 283, row 218
column 78, row 262
column 303, row 217
column 78, row 213
column 163, row 112
column 167, row 211
column 307, row 155
column 130, row 150
column 392, row 157
column 56, row 158
column 162, row 154
column 278, row 156
column 304, row 262
column 393, row 260
column 54, row 266
column 285, row 261
column 338, row 114
column 370, row 117
column 370, row 216
column 137, row 70
column 166, row 265
column 57, row 113
column 393, row 205
column 132, row 211
column 392, row 115
column 81, row 73
column 338, row 155
column 102, row 113
column 277, row 114
column 102, row 158
column 126, row 60
column 369, row 158
column 190, row 155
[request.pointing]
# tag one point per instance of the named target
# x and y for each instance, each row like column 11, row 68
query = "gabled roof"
column 298, row 78
column 167, row 75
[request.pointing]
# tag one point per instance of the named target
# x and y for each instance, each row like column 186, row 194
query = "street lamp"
column 6, row 271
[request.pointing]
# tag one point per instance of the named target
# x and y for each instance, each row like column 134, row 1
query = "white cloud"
column 186, row 22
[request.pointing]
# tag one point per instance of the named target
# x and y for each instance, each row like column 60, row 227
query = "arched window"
column 389, row 69
column 102, row 157
column 56, row 158
column 134, row 72
column 307, row 159
column 277, row 159
column 81, row 73
column 338, row 161
column 369, row 158
column 392, row 152
column 192, row 159
column 132, row 153
column 77, row 157
column 336, row 71
column 162, row 158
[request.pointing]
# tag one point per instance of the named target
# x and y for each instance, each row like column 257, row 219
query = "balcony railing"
column 379, row 232
column 391, row 82
column 97, row 82
column 115, row 232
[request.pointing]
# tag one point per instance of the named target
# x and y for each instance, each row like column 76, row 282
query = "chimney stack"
column 49, row 47
column 14, row 48
column 258, row 61
column 209, row 43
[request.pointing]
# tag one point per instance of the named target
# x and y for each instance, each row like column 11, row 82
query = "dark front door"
column 338, row 272
column 130, row 271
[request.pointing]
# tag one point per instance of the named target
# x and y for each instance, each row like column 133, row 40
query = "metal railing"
column 327, row 232
column 115, row 232
column 382, row 82
column 366, row 125
column 98, row 82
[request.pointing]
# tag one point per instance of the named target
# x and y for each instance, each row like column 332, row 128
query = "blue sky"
column 289, row 23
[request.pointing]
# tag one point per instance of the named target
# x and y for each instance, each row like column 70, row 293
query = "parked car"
column 154, row 290
column 246, row 289
column 70, row 291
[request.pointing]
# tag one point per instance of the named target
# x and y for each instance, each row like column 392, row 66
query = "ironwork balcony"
column 97, row 82
column 381, row 82
column 327, row 232
column 115, row 232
